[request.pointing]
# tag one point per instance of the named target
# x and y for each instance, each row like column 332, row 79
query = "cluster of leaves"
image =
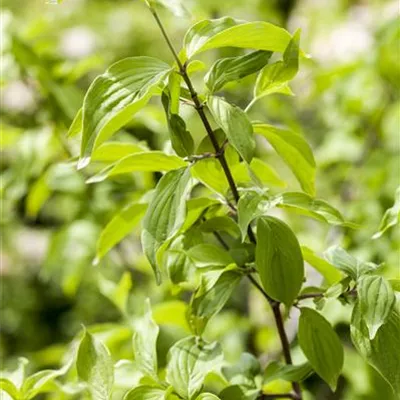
column 197, row 228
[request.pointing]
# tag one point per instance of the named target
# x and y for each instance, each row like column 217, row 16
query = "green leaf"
column 95, row 367
column 294, row 150
column 150, row 161
column 41, row 381
column 244, row 371
column 189, row 362
column 377, row 300
column 395, row 283
column 146, row 393
column 291, row 373
column 309, row 206
column 144, row 343
column 274, row 77
column 391, row 216
column 176, row 7
column 181, row 140
column 234, row 68
column 207, row 396
column 115, row 96
column 248, row 209
column 117, row 293
column 349, row 264
column 211, row 296
column 114, row 151
column 209, row 255
column 165, row 214
column 228, row 32
column 327, row 270
column 234, row 122
column 381, row 352
column 8, row 386
column 220, row 224
column 119, row 227
column 279, row 260
column 76, row 127
column 321, row 345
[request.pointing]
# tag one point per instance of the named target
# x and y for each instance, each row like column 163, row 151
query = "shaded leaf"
column 165, row 214
column 209, row 255
column 321, row 345
column 381, row 352
column 377, row 300
column 234, row 68
column 279, row 260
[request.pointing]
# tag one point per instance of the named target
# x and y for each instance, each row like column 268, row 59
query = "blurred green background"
column 346, row 103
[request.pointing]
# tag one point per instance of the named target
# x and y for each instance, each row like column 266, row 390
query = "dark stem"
column 199, row 106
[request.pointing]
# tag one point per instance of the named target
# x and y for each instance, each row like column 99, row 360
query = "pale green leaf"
column 209, row 255
column 395, row 283
column 144, row 343
column 321, row 345
column 119, row 227
column 176, row 7
column 115, row 96
column 207, row 396
column 294, row 150
column 381, row 352
column 348, row 264
column 8, row 387
column 146, row 393
column 117, row 293
column 150, row 161
column 234, row 122
column 377, row 300
column 327, row 270
column 309, row 206
column 234, row 68
column 279, row 260
column 244, row 371
column 391, row 216
column 95, row 367
column 189, row 361
column 274, row 77
column 292, row 373
column 228, row 32
column 165, row 214
column 114, row 151
column 76, row 127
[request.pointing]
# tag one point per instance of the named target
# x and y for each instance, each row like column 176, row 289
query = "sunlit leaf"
column 292, row 373
column 206, row 255
column 95, row 367
column 294, row 150
column 228, row 32
column 150, row 161
column 115, row 96
column 234, row 122
column 391, row 216
column 146, row 393
column 189, row 361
